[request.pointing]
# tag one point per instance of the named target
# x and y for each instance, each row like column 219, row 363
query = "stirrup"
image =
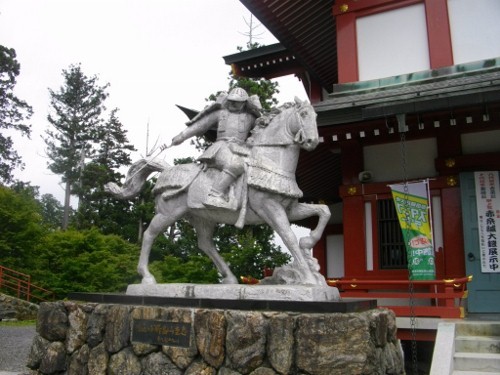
column 218, row 201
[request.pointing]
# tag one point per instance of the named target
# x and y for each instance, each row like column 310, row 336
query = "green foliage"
column 96, row 207
column 195, row 268
column 61, row 261
column 13, row 114
column 75, row 118
column 141, row 212
column 52, row 211
column 250, row 250
column 180, row 241
column 175, row 257
column 86, row 149
column 21, row 228
column 85, row 261
column 49, row 207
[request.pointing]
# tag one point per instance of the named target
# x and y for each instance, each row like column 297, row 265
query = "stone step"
column 477, row 344
column 478, row 329
column 460, row 372
column 486, row 362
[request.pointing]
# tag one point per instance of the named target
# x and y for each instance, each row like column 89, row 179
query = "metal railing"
column 19, row 284
column 441, row 298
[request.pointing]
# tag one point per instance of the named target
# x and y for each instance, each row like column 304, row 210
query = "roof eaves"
column 254, row 53
column 412, row 97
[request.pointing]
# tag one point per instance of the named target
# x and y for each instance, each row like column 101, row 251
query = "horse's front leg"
column 300, row 211
column 270, row 208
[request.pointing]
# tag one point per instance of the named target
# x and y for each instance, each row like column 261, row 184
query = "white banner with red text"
column 488, row 219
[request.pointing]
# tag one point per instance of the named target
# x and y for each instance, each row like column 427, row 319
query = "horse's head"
column 304, row 126
column 290, row 124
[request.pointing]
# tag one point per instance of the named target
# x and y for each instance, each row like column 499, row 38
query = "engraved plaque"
column 160, row 332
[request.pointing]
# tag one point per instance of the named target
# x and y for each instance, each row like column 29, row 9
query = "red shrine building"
column 404, row 90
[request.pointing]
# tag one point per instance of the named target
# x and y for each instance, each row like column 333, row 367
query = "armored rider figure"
column 234, row 116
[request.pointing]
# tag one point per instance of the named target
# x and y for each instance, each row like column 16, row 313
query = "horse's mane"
column 270, row 114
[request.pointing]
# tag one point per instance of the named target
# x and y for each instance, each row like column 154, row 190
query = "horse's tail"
column 136, row 177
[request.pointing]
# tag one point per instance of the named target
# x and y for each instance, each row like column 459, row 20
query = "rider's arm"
column 200, row 127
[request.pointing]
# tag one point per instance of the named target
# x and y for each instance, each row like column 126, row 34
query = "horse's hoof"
column 230, row 280
column 148, row 280
column 306, row 243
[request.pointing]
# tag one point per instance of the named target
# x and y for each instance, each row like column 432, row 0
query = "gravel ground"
column 15, row 344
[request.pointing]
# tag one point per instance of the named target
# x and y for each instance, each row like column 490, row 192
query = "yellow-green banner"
column 413, row 209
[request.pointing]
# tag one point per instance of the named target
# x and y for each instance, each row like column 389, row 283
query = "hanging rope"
column 413, row 321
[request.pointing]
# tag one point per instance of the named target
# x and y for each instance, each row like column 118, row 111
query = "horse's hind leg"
column 159, row 224
column 204, row 232
column 301, row 211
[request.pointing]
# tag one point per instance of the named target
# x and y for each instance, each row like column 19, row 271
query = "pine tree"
column 76, row 120
column 13, row 114
column 97, row 208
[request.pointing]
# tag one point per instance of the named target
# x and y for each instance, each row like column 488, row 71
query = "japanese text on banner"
column 488, row 216
column 413, row 209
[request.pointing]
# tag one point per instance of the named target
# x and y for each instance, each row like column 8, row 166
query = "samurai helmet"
column 238, row 95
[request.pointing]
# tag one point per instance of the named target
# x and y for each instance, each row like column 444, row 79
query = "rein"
column 298, row 138
column 300, row 135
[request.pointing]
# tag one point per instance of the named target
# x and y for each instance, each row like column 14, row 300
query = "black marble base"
column 343, row 306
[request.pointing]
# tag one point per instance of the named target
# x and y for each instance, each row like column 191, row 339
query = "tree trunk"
column 67, row 196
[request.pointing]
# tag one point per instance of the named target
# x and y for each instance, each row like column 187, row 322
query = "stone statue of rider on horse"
column 246, row 177
column 234, row 117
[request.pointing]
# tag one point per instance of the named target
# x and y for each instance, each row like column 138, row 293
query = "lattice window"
column 392, row 250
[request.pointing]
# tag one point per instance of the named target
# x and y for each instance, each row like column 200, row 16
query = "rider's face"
column 234, row 106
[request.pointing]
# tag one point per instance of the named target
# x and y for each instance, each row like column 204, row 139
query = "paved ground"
column 15, row 344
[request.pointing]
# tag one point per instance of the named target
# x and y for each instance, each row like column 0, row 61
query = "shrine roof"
column 268, row 61
column 426, row 91
column 307, row 29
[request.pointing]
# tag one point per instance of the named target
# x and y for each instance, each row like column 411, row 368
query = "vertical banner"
column 413, row 209
column 488, row 219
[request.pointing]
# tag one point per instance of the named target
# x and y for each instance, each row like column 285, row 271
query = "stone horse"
column 268, row 194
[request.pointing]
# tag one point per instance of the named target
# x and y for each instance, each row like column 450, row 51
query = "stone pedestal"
column 238, row 292
column 101, row 337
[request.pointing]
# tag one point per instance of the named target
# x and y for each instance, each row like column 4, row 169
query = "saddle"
column 177, row 179
column 201, row 185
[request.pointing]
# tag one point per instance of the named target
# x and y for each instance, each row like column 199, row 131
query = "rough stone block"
column 222, row 342
column 52, row 321
column 117, row 333
column 245, row 340
column 211, row 335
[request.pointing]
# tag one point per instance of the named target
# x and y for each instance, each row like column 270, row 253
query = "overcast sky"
column 154, row 53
